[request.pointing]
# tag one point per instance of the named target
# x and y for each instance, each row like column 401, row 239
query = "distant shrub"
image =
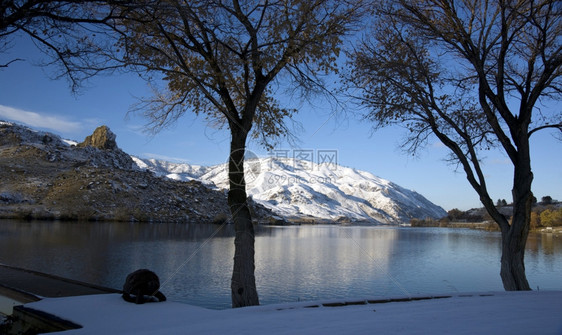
column 424, row 223
column 535, row 220
column 501, row 203
column 546, row 200
column 551, row 217
column 456, row 215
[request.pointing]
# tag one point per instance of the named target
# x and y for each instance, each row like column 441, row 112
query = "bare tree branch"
column 546, row 126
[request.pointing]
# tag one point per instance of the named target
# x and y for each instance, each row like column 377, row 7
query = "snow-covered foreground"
column 489, row 313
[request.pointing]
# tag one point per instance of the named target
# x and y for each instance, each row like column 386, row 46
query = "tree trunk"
column 243, row 284
column 514, row 236
column 512, row 262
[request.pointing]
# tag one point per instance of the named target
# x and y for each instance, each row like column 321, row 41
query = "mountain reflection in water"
column 292, row 263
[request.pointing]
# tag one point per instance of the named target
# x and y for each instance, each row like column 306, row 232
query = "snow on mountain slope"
column 298, row 189
column 176, row 171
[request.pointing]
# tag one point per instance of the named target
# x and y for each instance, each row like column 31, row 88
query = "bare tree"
column 224, row 59
column 477, row 74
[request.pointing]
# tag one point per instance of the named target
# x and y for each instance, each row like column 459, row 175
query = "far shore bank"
column 484, row 225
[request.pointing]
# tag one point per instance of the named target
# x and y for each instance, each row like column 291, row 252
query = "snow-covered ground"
column 480, row 313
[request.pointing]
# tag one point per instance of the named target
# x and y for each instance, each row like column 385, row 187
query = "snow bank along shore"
column 534, row 312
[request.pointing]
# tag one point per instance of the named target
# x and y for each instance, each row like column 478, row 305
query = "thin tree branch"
column 546, row 126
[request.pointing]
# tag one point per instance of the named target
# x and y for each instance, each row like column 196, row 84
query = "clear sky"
column 29, row 96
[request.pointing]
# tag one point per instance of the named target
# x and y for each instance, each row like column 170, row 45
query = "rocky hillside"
column 45, row 177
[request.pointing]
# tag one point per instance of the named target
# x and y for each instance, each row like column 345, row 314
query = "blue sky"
column 29, row 96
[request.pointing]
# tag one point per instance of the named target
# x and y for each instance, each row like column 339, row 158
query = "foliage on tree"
column 220, row 58
column 475, row 75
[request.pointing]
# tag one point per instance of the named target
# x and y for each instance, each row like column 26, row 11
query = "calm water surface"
column 292, row 263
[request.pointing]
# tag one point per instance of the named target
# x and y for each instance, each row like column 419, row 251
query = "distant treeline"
column 444, row 222
column 547, row 213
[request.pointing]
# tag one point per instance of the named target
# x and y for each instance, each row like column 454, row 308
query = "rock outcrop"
column 102, row 138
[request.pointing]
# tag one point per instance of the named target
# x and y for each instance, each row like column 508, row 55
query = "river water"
column 309, row 262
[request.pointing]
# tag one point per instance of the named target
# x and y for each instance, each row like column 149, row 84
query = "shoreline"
column 485, row 225
column 307, row 221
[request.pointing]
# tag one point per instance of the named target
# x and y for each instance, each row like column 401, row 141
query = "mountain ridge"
column 44, row 176
column 296, row 189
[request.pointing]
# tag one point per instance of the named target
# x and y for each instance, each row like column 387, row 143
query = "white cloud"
column 137, row 129
column 34, row 119
column 165, row 158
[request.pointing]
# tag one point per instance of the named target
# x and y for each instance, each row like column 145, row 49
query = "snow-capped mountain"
column 301, row 189
column 175, row 171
